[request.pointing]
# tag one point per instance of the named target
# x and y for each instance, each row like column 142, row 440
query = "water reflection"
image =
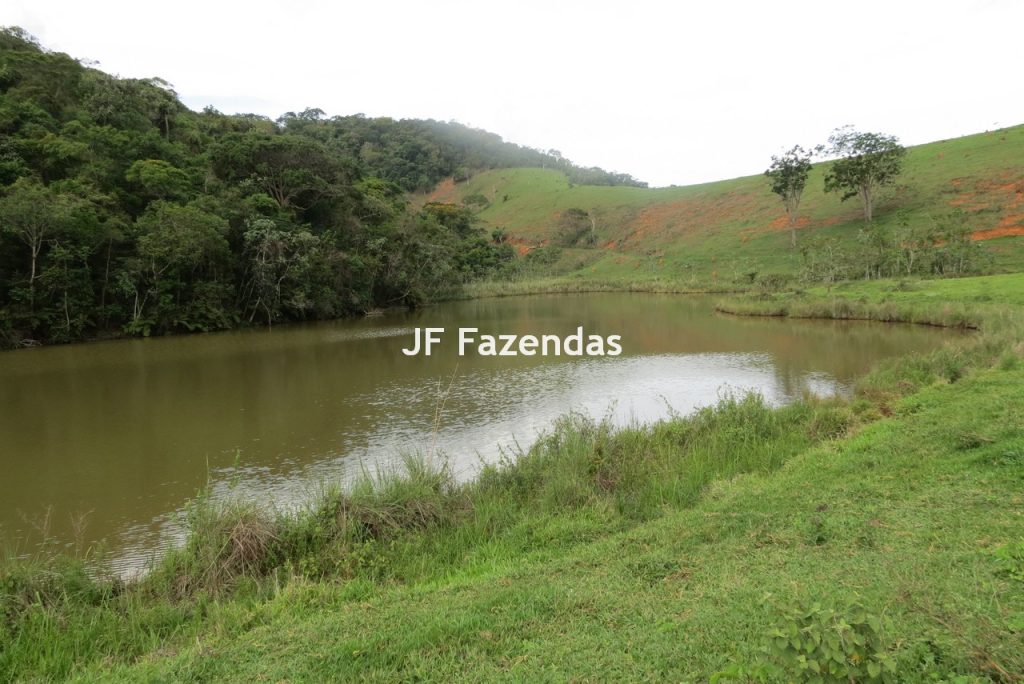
column 130, row 430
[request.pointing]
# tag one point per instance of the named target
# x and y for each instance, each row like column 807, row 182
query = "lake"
column 109, row 440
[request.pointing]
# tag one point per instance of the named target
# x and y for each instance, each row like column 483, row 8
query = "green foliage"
column 955, row 253
column 596, row 176
column 158, row 178
column 50, row 236
column 473, row 254
column 178, row 279
column 543, row 256
column 938, row 247
column 575, row 227
column 866, row 163
column 787, row 176
column 817, row 643
column 476, row 200
column 123, row 211
column 230, row 543
column 416, row 154
column 282, row 268
column 1010, row 558
column 824, row 260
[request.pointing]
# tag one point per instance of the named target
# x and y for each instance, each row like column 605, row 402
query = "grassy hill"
column 716, row 232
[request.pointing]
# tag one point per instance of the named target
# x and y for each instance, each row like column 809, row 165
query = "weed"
column 1010, row 559
column 814, row 642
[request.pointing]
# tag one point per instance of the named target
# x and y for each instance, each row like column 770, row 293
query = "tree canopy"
column 866, row 163
column 788, row 176
column 124, row 212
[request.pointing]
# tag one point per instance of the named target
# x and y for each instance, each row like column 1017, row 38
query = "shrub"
column 818, row 643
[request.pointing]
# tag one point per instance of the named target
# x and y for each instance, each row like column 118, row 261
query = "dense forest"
column 124, row 212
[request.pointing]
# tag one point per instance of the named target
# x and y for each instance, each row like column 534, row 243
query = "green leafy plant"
column 1010, row 558
column 819, row 643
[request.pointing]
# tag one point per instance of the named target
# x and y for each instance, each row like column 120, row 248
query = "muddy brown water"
column 108, row 441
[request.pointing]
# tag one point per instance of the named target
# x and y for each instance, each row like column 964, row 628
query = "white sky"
column 671, row 92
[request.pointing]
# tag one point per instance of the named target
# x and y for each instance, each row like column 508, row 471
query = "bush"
column 575, row 226
column 826, row 644
column 773, row 282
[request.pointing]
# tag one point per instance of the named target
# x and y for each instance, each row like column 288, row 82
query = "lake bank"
column 129, row 431
column 610, row 524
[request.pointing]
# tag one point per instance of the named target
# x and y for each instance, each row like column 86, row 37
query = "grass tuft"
column 228, row 542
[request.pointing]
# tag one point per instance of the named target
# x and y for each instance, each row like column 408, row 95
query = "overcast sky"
column 671, row 92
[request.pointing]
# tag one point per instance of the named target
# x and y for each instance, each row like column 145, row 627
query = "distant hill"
column 417, row 154
column 414, row 154
column 719, row 231
column 124, row 212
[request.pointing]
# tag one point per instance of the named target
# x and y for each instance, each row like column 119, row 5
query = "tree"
column 824, row 260
column 123, row 210
column 297, row 172
column 788, row 176
column 575, row 225
column 276, row 255
column 867, row 162
column 158, row 179
column 179, row 250
column 955, row 252
column 33, row 212
column 67, row 287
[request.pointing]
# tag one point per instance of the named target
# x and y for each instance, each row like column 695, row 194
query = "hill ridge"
column 738, row 223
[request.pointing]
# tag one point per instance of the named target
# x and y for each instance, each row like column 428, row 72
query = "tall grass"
column 942, row 314
column 415, row 522
column 575, row 284
column 581, row 480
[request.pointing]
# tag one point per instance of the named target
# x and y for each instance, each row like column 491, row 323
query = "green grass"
column 1005, row 289
column 992, row 301
column 713, row 234
column 905, row 517
column 414, row 527
column 599, row 553
column 555, row 284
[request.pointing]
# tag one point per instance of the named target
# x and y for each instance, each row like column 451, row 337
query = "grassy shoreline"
column 949, row 315
column 405, row 576
column 573, row 285
column 990, row 303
